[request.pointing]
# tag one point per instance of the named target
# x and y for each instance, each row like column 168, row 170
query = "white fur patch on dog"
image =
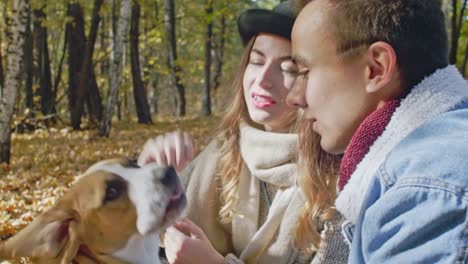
column 140, row 249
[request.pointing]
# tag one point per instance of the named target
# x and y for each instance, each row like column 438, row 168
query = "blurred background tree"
column 84, row 63
column 174, row 58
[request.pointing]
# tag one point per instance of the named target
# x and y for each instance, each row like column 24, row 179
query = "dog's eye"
column 114, row 189
column 133, row 163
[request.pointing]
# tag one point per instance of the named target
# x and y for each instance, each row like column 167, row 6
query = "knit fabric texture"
column 367, row 133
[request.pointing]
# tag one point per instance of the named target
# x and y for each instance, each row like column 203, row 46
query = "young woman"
column 243, row 199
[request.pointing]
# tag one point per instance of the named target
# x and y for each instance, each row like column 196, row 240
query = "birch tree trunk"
column 116, row 65
column 15, row 51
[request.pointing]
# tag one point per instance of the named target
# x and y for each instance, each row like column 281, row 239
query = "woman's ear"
column 382, row 66
column 52, row 234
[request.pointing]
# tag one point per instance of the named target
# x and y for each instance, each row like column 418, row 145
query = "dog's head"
column 111, row 202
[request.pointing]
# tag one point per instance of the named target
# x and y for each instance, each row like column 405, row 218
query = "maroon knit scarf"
column 367, row 133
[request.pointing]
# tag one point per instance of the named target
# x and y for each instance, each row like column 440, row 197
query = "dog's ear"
column 52, row 234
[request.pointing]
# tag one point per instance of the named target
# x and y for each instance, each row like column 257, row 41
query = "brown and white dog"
column 113, row 214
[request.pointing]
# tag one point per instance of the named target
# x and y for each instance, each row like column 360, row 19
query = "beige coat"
column 202, row 189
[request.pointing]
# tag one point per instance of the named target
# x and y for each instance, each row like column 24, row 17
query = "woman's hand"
column 175, row 148
column 186, row 243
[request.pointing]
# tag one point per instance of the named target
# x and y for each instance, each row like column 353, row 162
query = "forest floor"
column 45, row 163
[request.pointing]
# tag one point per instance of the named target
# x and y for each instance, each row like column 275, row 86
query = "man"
column 375, row 84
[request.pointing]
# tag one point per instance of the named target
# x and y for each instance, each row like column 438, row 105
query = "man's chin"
column 331, row 148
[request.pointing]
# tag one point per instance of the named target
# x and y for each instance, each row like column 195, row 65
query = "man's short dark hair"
column 414, row 28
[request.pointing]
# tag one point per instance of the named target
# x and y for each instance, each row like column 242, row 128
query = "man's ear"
column 52, row 234
column 382, row 66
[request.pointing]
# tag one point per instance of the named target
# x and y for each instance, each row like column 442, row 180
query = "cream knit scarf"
column 268, row 157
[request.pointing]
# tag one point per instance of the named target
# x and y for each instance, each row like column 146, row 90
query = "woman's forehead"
column 269, row 44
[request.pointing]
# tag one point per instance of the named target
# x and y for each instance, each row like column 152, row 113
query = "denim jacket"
column 407, row 200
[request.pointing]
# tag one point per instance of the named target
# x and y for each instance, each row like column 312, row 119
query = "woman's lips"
column 262, row 101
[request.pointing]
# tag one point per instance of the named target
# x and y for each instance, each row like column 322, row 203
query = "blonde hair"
column 317, row 177
column 231, row 162
column 316, row 168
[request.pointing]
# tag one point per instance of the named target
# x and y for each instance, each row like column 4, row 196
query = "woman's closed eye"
column 256, row 62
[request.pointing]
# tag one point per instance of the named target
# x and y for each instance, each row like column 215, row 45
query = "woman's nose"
column 266, row 76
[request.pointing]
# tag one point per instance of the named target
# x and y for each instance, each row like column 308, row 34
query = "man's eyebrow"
column 284, row 58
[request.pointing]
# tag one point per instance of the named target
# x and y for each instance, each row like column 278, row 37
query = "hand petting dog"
column 175, row 149
column 186, row 243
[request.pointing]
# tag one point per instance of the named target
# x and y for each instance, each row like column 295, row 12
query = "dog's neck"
column 140, row 250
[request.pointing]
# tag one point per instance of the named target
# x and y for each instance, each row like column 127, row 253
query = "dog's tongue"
column 177, row 193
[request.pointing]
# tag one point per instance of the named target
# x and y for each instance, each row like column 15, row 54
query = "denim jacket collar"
column 436, row 94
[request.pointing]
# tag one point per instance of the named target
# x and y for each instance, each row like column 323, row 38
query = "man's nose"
column 296, row 96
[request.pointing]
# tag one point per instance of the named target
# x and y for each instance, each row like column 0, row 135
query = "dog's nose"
column 170, row 177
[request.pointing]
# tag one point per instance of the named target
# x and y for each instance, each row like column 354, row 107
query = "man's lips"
column 262, row 101
column 313, row 121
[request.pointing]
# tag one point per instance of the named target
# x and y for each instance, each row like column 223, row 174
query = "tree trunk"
column 15, row 51
column 152, row 86
column 153, row 93
column 2, row 71
column 29, row 65
column 457, row 23
column 465, row 61
column 58, row 72
column 170, row 27
column 76, row 46
column 219, row 57
column 104, row 65
column 206, row 98
column 139, row 92
column 116, row 65
column 45, row 76
column 88, row 90
column 2, row 74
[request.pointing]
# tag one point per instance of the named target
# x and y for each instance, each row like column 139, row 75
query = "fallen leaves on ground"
column 46, row 162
